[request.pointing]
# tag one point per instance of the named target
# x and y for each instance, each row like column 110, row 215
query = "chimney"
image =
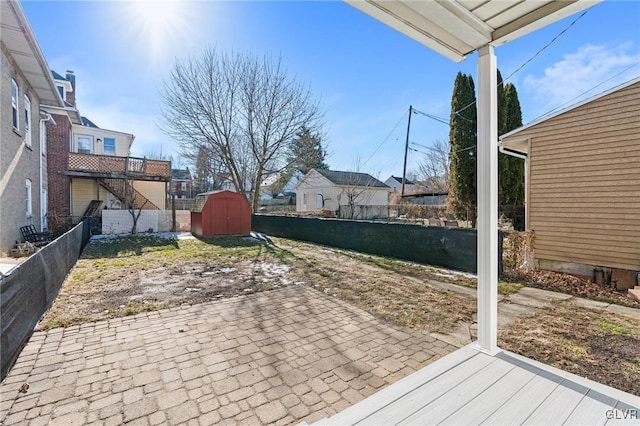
column 71, row 96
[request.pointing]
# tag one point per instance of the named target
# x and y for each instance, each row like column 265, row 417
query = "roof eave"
column 570, row 108
column 49, row 94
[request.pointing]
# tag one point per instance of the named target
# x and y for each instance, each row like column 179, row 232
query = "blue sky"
column 365, row 74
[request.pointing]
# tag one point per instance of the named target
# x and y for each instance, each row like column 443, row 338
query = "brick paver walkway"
column 280, row 357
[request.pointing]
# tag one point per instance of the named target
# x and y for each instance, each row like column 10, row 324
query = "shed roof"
column 351, row 178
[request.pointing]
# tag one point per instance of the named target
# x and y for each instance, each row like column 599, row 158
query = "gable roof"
column 57, row 76
column 88, row 123
column 351, row 178
column 399, row 180
column 180, row 174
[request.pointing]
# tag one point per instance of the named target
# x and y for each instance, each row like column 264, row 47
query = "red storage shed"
column 220, row 213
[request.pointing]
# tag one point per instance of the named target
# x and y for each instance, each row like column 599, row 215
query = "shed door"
column 216, row 217
column 234, row 217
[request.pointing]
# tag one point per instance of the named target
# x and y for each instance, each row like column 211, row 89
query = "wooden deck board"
column 520, row 406
column 591, row 410
column 398, row 390
column 427, row 394
column 449, row 402
column 470, row 387
column 493, row 397
column 557, row 407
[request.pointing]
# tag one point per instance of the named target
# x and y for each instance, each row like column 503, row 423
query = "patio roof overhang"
column 456, row 28
column 18, row 38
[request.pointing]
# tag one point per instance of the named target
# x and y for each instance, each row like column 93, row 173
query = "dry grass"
column 592, row 344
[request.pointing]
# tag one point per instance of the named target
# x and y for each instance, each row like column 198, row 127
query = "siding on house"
column 584, row 182
column 334, row 196
column 155, row 191
column 122, row 140
column 18, row 161
column 84, row 191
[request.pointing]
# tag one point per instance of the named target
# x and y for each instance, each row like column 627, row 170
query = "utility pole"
column 406, row 150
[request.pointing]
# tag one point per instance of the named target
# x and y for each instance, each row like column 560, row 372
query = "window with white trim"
column 27, row 120
column 14, row 105
column 83, row 144
column 183, row 186
column 109, row 146
column 28, row 199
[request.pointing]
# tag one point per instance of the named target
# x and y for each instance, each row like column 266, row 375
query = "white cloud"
column 581, row 71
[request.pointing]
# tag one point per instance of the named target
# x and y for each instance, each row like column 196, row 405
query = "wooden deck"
column 470, row 387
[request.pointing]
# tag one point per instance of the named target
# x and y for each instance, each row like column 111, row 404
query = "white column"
column 487, row 185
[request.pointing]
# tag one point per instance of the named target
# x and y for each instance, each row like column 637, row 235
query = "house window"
column 61, row 91
column 84, row 144
column 109, row 147
column 27, row 120
column 28, row 200
column 183, row 186
column 304, row 198
column 14, row 105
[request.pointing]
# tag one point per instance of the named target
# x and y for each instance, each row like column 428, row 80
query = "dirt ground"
column 123, row 276
column 597, row 345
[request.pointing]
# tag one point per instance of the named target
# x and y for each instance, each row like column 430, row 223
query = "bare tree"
column 356, row 189
column 133, row 204
column 434, row 169
column 244, row 110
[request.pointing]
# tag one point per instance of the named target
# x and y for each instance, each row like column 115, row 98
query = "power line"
column 535, row 55
column 433, row 149
column 384, row 140
column 547, row 45
column 587, row 91
column 433, row 117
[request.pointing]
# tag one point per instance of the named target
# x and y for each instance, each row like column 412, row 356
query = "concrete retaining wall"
column 121, row 222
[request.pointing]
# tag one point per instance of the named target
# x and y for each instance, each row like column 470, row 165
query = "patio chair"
column 31, row 235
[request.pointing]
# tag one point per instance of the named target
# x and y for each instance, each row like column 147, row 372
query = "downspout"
column 524, row 157
column 43, row 138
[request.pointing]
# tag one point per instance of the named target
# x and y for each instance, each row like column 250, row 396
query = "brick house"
column 25, row 84
column 181, row 183
column 90, row 168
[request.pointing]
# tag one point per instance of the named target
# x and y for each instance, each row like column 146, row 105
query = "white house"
column 330, row 189
column 395, row 183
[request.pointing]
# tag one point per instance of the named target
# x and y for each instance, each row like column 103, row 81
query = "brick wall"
column 58, row 140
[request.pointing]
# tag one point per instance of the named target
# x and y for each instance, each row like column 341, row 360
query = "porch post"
column 487, row 187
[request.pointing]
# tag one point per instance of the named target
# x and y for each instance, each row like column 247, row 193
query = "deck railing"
column 128, row 166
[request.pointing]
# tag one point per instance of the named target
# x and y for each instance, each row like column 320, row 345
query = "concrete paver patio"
column 278, row 357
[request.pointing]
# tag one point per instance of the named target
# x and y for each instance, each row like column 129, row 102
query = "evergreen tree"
column 306, row 152
column 512, row 168
column 462, row 137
